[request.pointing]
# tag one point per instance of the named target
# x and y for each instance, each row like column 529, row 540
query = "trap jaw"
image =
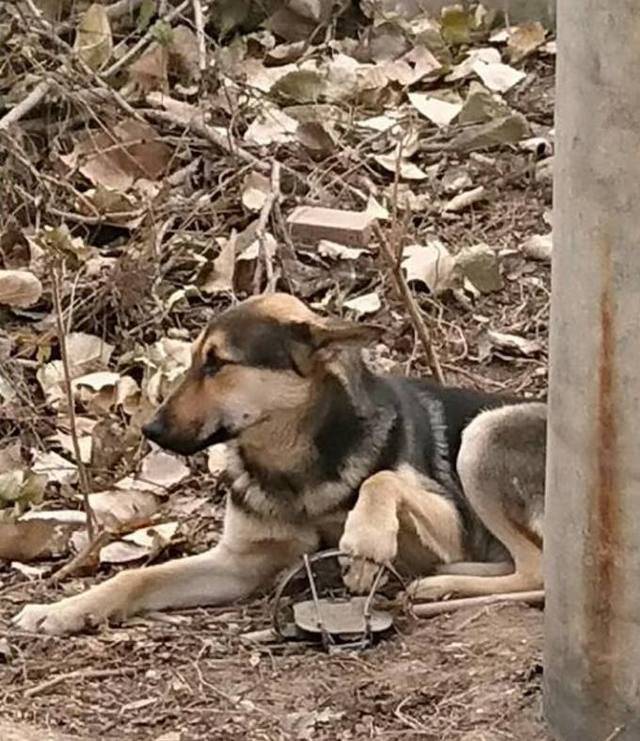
column 340, row 623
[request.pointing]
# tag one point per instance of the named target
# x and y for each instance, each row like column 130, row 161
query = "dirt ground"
column 473, row 676
column 192, row 675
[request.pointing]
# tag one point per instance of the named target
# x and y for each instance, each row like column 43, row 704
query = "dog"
column 445, row 483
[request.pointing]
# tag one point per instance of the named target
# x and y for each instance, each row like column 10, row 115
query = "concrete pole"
column 592, row 527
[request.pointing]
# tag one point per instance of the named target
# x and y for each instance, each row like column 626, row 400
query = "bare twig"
column 73, row 430
column 138, row 46
column 122, row 7
column 77, row 674
column 261, row 228
column 198, row 19
column 30, row 102
column 409, row 301
column 84, row 555
column 430, row 609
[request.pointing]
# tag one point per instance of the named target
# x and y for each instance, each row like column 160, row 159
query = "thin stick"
column 30, row 102
column 411, row 305
column 78, row 674
column 62, row 339
column 92, row 547
column 139, row 45
column 122, row 7
column 198, row 19
column 261, row 228
column 430, row 609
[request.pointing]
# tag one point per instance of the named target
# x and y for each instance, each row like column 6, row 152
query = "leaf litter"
column 168, row 190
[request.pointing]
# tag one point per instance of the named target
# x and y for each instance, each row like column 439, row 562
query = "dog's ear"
column 308, row 338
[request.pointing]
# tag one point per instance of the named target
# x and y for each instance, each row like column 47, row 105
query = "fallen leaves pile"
column 152, row 155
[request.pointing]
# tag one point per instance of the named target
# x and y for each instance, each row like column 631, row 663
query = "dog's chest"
column 291, row 498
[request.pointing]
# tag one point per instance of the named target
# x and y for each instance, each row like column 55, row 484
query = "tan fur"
column 399, row 503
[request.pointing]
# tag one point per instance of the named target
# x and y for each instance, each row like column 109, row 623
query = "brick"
column 310, row 224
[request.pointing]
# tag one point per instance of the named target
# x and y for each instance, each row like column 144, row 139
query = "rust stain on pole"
column 603, row 522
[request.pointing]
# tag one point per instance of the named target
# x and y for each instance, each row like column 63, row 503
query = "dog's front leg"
column 248, row 557
column 390, row 502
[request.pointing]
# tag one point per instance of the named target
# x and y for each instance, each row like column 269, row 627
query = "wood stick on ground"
column 73, row 430
column 24, row 106
column 78, row 674
column 139, row 45
column 264, row 258
column 410, row 304
column 430, row 609
column 84, row 555
column 198, row 20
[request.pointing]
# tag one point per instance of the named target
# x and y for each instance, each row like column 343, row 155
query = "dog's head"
column 257, row 359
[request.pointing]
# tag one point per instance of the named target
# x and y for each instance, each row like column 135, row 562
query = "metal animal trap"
column 340, row 622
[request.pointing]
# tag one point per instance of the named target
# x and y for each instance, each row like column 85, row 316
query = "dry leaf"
column 115, row 160
column 94, row 42
column 432, row 265
column 113, row 509
column 220, row 277
column 86, row 352
column 151, row 70
column 54, row 467
column 255, row 190
column 300, row 86
column 367, row 304
column 271, row 126
column 513, row 342
column 407, row 170
column 524, row 40
column 317, row 137
column 488, row 55
column 158, row 473
column 183, row 53
column 440, row 112
column 147, row 541
column 19, row 288
column 26, row 541
column 85, row 443
column 456, row 23
column 336, row 251
column 497, row 76
column 97, row 381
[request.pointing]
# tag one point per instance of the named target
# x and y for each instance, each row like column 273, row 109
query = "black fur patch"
column 338, row 430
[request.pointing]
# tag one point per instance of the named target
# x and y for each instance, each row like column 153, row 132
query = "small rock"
column 506, row 130
column 538, row 247
column 481, row 267
column 481, row 105
column 456, row 179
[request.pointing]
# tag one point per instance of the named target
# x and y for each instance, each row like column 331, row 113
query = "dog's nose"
column 154, row 429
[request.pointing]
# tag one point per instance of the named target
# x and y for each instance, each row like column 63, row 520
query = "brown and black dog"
column 447, row 483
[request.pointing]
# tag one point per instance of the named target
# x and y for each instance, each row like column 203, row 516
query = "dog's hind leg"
column 395, row 506
column 249, row 556
column 501, row 467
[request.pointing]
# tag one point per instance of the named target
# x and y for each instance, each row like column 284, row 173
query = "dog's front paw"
column 368, row 548
column 58, row 618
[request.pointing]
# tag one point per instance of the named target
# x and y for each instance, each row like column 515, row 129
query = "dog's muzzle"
column 158, row 430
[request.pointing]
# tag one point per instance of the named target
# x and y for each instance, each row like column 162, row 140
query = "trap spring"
column 341, row 623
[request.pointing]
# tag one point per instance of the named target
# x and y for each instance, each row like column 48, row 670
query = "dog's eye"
column 212, row 364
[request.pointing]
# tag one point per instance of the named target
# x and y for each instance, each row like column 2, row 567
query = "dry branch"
column 411, row 304
column 430, row 609
column 73, row 429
